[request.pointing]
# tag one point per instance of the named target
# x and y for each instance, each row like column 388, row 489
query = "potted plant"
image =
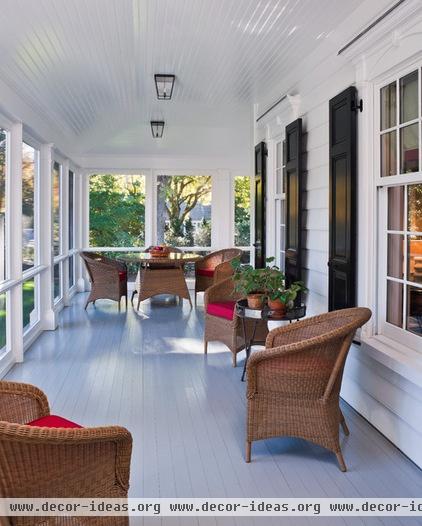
column 279, row 300
column 249, row 282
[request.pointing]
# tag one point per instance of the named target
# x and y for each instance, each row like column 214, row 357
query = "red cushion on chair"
column 122, row 275
column 53, row 421
column 222, row 309
column 208, row 272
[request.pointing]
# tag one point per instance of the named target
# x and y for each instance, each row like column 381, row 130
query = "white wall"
column 381, row 382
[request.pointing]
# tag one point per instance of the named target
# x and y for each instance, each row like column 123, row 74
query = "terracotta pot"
column 277, row 306
column 255, row 301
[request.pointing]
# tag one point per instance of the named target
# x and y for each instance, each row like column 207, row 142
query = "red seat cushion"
column 122, row 275
column 53, row 421
column 222, row 309
column 208, row 272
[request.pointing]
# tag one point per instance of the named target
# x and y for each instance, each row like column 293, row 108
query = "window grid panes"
column 400, row 128
column 3, row 180
column 57, row 172
column 400, row 123
column 404, row 258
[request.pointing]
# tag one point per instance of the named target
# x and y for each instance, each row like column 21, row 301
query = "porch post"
column 15, row 240
column 47, row 313
column 221, row 210
column 78, row 204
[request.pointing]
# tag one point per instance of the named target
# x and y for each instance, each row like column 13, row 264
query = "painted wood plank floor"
column 186, row 412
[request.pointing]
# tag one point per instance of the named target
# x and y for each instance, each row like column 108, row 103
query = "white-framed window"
column 280, row 202
column 399, row 181
column 4, row 219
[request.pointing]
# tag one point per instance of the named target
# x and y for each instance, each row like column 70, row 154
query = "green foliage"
column 242, row 214
column 271, row 281
column 117, row 210
column 189, row 231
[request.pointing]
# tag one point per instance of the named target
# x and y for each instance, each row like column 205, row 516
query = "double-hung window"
column 400, row 209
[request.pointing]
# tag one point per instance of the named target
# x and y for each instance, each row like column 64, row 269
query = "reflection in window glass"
column 388, row 106
column 29, row 168
column 395, row 255
column 388, row 154
column 242, row 211
column 396, row 208
column 28, row 299
column 395, row 303
column 414, row 205
column 409, row 97
column 414, row 310
column 56, row 207
column 117, row 210
column 2, row 322
column 409, row 149
column 57, row 282
column 184, row 210
column 3, row 173
column 414, row 263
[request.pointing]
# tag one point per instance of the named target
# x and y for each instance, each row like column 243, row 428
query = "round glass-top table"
column 160, row 274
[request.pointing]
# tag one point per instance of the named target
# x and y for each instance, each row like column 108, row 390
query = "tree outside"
column 117, row 210
column 242, row 211
column 184, row 210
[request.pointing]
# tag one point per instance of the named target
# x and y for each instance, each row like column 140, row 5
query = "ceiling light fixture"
column 164, row 85
column 157, row 129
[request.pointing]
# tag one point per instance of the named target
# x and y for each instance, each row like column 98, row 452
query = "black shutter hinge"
column 357, row 107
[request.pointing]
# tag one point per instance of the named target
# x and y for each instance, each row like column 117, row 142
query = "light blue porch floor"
column 186, row 412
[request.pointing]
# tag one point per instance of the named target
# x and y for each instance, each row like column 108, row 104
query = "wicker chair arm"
column 21, row 403
column 209, row 261
column 96, row 441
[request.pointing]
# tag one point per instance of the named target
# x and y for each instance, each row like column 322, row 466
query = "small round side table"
column 243, row 311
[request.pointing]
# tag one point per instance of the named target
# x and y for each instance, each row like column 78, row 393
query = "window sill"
column 401, row 359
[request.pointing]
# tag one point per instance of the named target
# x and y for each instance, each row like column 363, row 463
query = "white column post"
column 221, row 210
column 15, row 238
column 150, row 208
column 65, row 230
column 47, row 314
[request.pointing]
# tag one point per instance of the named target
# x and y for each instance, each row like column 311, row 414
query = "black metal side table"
column 264, row 314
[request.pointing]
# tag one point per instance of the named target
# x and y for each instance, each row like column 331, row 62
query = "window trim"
column 383, row 328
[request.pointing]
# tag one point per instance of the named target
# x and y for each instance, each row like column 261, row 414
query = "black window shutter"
column 342, row 202
column 293, row 175
column 260, row 176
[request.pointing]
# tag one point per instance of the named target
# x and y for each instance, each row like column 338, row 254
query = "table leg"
column 248, row 345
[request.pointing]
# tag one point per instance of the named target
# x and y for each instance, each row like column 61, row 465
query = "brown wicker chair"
column 228, row 330
column 214, row 267
column 108, row 278
column 41, row 462
column 293, row 386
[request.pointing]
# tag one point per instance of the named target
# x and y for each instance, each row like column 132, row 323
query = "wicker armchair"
column 227, row 327
column 108, row 278
column 214, row 267
column 293, row 386
column 38, row 462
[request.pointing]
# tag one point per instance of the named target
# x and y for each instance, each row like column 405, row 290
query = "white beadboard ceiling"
column 87, row 66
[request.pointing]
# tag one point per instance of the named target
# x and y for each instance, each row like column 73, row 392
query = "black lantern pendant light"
column 164, row 85
column 157, row 129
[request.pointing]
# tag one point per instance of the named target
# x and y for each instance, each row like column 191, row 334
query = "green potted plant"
column 249, row 282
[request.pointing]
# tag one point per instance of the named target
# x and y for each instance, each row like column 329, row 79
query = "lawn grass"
column 28, row 307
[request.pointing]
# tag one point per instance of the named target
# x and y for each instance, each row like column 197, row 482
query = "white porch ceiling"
column 87, row 66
